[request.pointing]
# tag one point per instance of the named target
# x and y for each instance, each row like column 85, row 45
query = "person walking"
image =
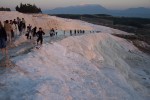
column 29, row 34
column 40, row 34
column 15, row 22
column 83, row 31
column 14, row 26
column 52, row 32
column 23, row 25
column 8, row 29
column 3, row 40
column 75, row 31
column 56, row 31
column 64, row 32
column 70, row 32
column 29, row 27
column 34, row 31
column 19, row 25
column 13, row 29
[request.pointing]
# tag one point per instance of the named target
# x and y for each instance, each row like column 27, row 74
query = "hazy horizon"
column 47, row 4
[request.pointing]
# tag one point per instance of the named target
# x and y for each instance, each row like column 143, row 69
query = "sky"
column 51, row 4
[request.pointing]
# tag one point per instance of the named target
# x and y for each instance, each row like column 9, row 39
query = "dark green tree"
column 4, row 9
column 28, row 8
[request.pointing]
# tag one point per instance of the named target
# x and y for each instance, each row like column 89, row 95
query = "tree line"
column 28, row 8
column 4, row 9
column 24, row 8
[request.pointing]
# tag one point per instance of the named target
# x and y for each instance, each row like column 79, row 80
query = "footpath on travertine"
column 28, row 45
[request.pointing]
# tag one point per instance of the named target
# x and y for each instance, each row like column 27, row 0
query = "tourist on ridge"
column 3, row 40
column 8, row 29
column 23, row 25
column 40, row 34
column 52, row 32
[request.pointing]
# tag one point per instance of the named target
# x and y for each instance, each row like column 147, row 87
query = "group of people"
column 76, row 32
column 8, row 32
column 32, row 33
column 17, row 27
column 10, row 29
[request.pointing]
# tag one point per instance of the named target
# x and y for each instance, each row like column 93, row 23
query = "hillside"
column 93, row 66
column 98, row 9
column 80, row 9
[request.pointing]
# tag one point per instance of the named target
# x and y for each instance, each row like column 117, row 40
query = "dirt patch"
column 143, row 46
column 142, row 42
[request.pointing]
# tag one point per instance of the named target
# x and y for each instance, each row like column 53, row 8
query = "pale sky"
column 50, row 4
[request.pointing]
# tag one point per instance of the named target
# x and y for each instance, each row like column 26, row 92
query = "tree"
column 28, row 8
column 4, row 9
column 17, row 8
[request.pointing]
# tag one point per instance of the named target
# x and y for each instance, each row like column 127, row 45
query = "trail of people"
column 29, row 45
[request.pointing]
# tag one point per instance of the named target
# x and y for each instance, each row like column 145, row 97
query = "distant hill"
column 81, row 9
column 98, row 9
column 133, row 12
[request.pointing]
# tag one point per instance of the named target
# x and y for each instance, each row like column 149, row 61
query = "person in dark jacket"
column 70, row 32
column 75, row 31
column 83, row 31
column 15, row 22
column 3, row 39
column 40, row 34
column 52, row 32
column 34, row 31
